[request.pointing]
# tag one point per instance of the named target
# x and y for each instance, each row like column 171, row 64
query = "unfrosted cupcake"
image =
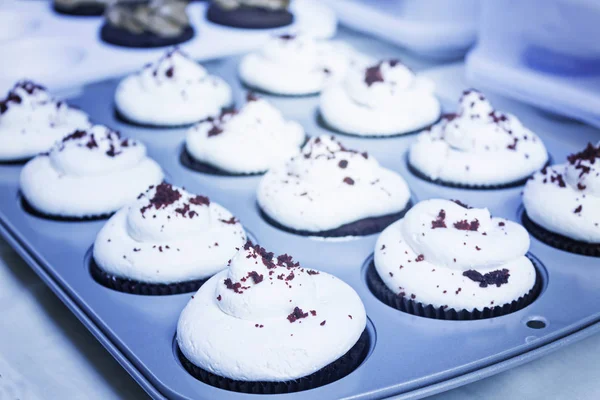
column 267, row 325
column 447, row 261
column 173, row 91
column 242, row 142
column 383, row 99
column 478, row 147
column 31, row 121
column 88, row 174
column 167, row 241
column 562, row 203
column 296, row 65
column 331, row 191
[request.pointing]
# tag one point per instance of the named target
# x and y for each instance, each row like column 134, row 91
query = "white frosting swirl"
column 168, row 235
column 88, row 173
column 296, row 65
column 565, row 198
column 250, row 140
column 444, row 254
column 268, row 319
column 173, row 91
column 478, row 146
column 31, row 121
column 327, row 186
column 380, row 100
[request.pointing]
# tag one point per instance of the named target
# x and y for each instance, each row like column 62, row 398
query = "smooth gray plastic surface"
column 410, row 356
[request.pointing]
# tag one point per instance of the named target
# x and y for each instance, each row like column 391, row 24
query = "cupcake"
column 266, row 325
column 242, row 142
column 88, row 174
column 80, row 7
column 174, row 91
column 250, row 14
column 167, row 241
column 383, row 99
column 331, row 191
column 562, row 203
column 296, row 65
column 145, row 24
column 478, row 147
column 31, row 121
column 446, row 260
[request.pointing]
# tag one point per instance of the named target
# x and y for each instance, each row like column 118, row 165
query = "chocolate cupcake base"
column 330, row 373
column 188, row 161
column 416, row 172
column 559, row 241
column 143, row 288
column 362, row 227
column 122, row 37
column 409, row 306
column 29, row 209
column 82, row 10
column 325, row 125
column 249, row 17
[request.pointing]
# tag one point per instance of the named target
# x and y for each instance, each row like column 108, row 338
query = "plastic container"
column 542, row 52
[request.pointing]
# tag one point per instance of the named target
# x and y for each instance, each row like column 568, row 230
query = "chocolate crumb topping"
column 164, row 196
column 501, row 223
column 313, row 313
column 578, row 209
column 343, row 164
column 200, row 201
column 373, row 74
column 497, row 277
column 296, row 315
column 287, row 36
column 230, row 221
column 323, row 323
column 439, row 222
column 420, row 258
column 219, row 297
column 589, row 154
column 251, row 96
column 256, row 277
column 349, row 181
column 465, row 225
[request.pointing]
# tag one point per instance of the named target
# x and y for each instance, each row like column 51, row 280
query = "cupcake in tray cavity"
column 562, row 203
column 267, row 325
column 173, row 91
column 382, row 99
column 448, row 261
column 331, row 191
column 167, row 241
column 153, row 23
column 478, row 147
column 31, row 121
column 250, row 14
column 241, row 142
column 89, row 173
column 297, row 65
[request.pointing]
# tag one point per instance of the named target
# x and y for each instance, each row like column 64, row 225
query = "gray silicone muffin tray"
column 410, row 357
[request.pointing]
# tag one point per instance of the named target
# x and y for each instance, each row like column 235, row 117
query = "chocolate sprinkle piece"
column 497, row 277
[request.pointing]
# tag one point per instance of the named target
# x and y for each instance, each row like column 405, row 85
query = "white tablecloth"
column 45, row 353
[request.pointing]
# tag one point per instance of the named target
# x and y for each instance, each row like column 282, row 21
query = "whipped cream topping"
column 380, row 99
column 168, row 235
column 328, row 185
column 88, row 173
column 448, row 255
column 249, row 140
column 478, row 146
column 266, row 318
column 173, row 91
column 297, row 65
column 565, row 198
column 31, row 121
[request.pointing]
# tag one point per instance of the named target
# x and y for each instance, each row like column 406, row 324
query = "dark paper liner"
column 416, row 172
column 325, row 125
column 122, row 37
column 249, row 17
column 188, row 161
column 142, row 288
column 29, row 209
column 405, row 304
column 119, row 116
column 559, row 241
column 362, row 227
column 328, row 374
column 18, row 161
column 82, row 10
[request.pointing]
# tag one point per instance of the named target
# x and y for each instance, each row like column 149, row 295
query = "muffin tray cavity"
column 409, row 356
